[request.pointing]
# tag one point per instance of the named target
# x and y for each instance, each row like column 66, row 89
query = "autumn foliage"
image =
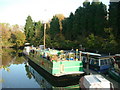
column 11, row 36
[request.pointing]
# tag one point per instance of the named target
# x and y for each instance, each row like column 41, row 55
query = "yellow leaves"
column 7, row 69
column 1, row 80
column 20, row 38
column 60, row 16
column 11, row 35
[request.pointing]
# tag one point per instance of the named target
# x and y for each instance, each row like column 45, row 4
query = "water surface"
column 14, row 72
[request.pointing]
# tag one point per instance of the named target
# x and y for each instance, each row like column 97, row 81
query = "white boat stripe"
column 69, row 67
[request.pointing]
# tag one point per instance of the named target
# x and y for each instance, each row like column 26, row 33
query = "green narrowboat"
column 114, row 74
column 48, row 82
column 115, row 71
column 56, row 62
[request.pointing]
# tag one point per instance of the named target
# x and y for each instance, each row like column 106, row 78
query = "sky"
column 16, row 11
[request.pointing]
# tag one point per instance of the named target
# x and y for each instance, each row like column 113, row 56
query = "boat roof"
column 96, row 55
column 95, row 78
column 103, row 57
column 91, row 54
column 117, row 55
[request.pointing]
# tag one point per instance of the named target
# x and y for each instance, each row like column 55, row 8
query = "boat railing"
column 55, row 55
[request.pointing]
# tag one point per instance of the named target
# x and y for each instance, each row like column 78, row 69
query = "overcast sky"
column 16, row 11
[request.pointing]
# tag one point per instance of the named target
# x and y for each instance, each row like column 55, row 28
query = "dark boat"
column 115, row 71
column 101, row 64
column 97, row 62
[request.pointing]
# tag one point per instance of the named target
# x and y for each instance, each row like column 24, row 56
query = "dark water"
column 18, row 73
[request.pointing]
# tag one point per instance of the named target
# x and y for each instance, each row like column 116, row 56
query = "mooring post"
column 76, row 54
column 88, row 64
column 80, row 56
column 44, row 34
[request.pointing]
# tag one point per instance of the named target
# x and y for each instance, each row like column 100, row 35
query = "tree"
column 18, row 38
column 95, row 43
column 86, row 3
column 99, row 12
column 60, row 17
column 109, row 44
column 77, row 22
column 68, row 27
column 38, row 33
column 29, row 29
column 54, row 27
column 6, row 33
column 114, row 20
column 12, row 35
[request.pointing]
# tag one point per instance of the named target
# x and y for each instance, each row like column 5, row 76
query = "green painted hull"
column 114, row 75
column 58, row 68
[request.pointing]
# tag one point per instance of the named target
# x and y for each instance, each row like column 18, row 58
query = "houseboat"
column 47, row 82
column 101, row 64
column 55, row 62
column 97, row 62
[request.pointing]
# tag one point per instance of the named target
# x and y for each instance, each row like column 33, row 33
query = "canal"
column 17, row 72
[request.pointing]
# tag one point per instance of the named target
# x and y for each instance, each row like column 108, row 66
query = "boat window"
column 91, row 61
column 84, row 59
column 105, row 61
column 108, row 61
column 101, row 62
column 95, row 62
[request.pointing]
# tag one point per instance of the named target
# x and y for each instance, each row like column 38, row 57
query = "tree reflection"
column 10, row 56
column 29, row 75
column 7, row 56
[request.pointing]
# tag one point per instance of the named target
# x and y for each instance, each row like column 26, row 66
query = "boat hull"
column 114, row 75
column 58, row 68
column 61, row 81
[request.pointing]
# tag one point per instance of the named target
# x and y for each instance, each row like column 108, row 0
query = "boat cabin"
column 97, row 62
column 101, row 64
column 85, row 56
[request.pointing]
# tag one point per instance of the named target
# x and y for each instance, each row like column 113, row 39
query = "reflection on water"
column 17, row 73
column 39, row 79
column 10, row 56
column 14, row 73
column 17, row 78
column 7, row 56
column 50, row 82
column 66, row 81
column 28, row 73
